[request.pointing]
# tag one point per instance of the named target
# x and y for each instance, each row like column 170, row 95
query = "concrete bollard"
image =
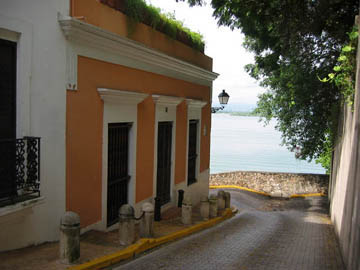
column 147, row 221
column 221, row 200
column 227, row 200
column 69, row 238
column 213, row 209
column 186, row 211
column 126, row 225
column 204, row 207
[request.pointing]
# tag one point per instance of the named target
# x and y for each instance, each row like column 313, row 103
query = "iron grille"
column 192, row 155
column 19, row 169
column 163, row 182
column 118, row 177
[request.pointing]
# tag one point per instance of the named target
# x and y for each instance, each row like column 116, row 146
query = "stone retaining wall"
column 279, row 184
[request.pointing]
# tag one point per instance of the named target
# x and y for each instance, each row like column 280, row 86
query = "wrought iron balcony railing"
column 19, row 170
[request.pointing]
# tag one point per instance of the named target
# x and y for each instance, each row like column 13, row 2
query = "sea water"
column 242, row 143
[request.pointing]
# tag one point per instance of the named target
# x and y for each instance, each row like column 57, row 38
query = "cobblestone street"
column 265, row 234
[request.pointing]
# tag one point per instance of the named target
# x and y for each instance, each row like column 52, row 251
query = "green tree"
column 295, row 43
column 193, row 2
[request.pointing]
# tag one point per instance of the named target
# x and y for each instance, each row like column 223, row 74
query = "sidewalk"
column 95, row 244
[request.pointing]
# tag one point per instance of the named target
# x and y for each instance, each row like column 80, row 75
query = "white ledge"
column 195, row 103
column 121, row 97
column 18, row 208
column 167, row 100
column 129, row 53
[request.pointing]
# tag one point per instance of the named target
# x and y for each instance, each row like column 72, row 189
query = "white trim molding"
column 19, row 208
column 119, row 107
column 92, row 41
column 194, row 113
column 195, row 104
column 121, row 97
column 165, row 110
column 167, row 100
column 21, row 32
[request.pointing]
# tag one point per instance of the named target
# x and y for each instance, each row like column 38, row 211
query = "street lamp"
column 223, row 100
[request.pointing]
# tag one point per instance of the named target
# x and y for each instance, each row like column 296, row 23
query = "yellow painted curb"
column 242, row 188
column 147, row 243
column 308, row 195
column 267, row 194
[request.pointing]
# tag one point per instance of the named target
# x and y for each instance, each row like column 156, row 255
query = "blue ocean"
column 242, row 143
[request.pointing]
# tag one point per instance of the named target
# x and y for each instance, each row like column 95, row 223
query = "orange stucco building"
column 95, row 117
column 138, row 115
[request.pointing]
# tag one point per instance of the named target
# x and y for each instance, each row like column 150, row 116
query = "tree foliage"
column 343, row 75
column 193, row 2
column 295, row 43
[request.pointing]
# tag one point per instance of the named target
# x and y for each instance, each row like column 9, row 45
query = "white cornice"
column 121, row 97
column 195, row 104
column 120, row 50
column 167, row 100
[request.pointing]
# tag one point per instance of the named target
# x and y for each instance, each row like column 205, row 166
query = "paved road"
column 266, row 234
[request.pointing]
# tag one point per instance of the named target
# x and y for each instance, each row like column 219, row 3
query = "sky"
column 224, row 46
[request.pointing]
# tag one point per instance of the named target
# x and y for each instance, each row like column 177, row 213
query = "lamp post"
column 223, row 100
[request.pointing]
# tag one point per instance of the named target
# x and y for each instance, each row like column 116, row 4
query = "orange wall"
column 181, row 142
column 84, row 131
column 115, row 21
column 145, row 149
column 84, row 114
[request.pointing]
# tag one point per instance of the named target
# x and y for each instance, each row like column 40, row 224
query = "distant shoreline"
column 242, row 142
column 241, row 113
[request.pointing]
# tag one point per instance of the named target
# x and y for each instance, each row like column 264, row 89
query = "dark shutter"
column 192, row 155
column 118, row 175
column 163, row 182
column 7, row 118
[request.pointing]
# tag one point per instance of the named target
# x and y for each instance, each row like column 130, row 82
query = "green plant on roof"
column 138, row 11
column 155, row 17
column 134, row 9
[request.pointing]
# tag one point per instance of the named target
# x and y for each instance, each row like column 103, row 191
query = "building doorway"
column 118, row 169
column 164, row 144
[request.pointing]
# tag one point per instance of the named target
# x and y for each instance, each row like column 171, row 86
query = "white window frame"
column 22, row 33
column 119, row 107
column 165, row 110
column 194, row 113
